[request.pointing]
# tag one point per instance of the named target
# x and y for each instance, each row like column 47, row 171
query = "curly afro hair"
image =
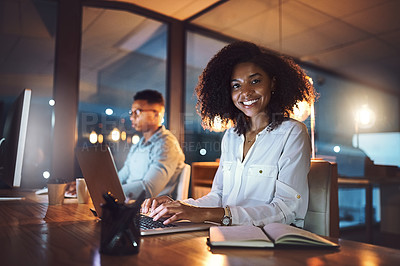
column 214, row 90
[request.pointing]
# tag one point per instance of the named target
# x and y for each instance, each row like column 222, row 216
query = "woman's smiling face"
column 251, row 89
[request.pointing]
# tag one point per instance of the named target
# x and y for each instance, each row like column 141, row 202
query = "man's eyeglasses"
column 138, row 112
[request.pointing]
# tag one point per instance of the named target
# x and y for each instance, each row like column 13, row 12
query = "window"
column 122, row 53
column 27, row 47
column 200, row 145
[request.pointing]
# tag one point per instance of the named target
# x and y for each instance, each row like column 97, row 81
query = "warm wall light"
column 100, row 138
column 123, row 135
column 219, row 125
column 115, row 134
column 365, row 117
column 93, row 137
column 135, row 139
column 300, row 113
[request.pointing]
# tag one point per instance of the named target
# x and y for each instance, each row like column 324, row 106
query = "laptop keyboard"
column 147, row 223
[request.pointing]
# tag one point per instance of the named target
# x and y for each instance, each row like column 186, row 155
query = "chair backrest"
column 182, row 190
column 322, row 216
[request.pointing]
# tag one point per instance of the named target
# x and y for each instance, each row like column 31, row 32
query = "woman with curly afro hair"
column 265, row 158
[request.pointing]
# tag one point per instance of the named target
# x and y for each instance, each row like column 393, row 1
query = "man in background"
column 156, row 161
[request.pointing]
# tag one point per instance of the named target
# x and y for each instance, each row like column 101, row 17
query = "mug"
column 56, row 193
column 82, row 192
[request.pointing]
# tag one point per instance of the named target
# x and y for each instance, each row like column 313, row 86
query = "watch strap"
column 227, row 219
column 228, row 211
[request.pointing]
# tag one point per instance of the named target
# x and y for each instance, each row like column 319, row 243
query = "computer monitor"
column 12, row 140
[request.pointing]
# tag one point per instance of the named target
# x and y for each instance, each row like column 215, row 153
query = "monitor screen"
column 12, row 140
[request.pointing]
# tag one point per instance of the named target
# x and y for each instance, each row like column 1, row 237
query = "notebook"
column 101, row 176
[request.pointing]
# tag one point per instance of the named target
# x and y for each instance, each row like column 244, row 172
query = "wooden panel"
column 202, row 177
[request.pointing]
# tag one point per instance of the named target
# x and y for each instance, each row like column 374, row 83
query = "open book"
column 270, row 235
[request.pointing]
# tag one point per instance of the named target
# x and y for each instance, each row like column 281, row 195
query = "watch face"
column 226, row 221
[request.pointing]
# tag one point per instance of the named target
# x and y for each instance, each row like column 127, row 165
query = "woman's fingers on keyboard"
column 161, row 210
column 169, row 209
column 171, row 219
column 145, row 205
column 154, row 204
column 158, row 214
column 149, row 205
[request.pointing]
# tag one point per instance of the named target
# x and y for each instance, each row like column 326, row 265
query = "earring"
column 272, row 92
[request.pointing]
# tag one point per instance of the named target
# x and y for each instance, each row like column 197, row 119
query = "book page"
column 286, row 234
column 242, row 235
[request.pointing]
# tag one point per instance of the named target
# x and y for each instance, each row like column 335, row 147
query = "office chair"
column 182, row 190
column 322, row 216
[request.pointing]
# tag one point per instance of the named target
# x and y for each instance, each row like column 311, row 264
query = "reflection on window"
column 27, row 41
column 200, row 145
column 122, row 53
column 352, row 206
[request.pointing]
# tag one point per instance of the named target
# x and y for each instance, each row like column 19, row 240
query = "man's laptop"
column 98, row 168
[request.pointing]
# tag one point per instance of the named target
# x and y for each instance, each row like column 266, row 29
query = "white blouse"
column 270, row 184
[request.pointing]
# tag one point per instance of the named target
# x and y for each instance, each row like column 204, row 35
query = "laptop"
column 101, row 176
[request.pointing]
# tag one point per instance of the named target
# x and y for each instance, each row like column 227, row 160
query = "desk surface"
column 34, row 233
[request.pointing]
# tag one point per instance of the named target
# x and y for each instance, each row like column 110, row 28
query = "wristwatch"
column 227, row 219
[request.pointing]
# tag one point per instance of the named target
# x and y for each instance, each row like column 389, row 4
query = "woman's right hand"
column 151, row 204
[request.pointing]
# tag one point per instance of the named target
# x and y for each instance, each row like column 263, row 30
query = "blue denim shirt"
column 153, row 166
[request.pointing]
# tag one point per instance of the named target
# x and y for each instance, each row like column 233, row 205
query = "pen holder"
column 120, row 230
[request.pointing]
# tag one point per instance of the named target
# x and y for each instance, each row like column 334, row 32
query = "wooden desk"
column 67, row 235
